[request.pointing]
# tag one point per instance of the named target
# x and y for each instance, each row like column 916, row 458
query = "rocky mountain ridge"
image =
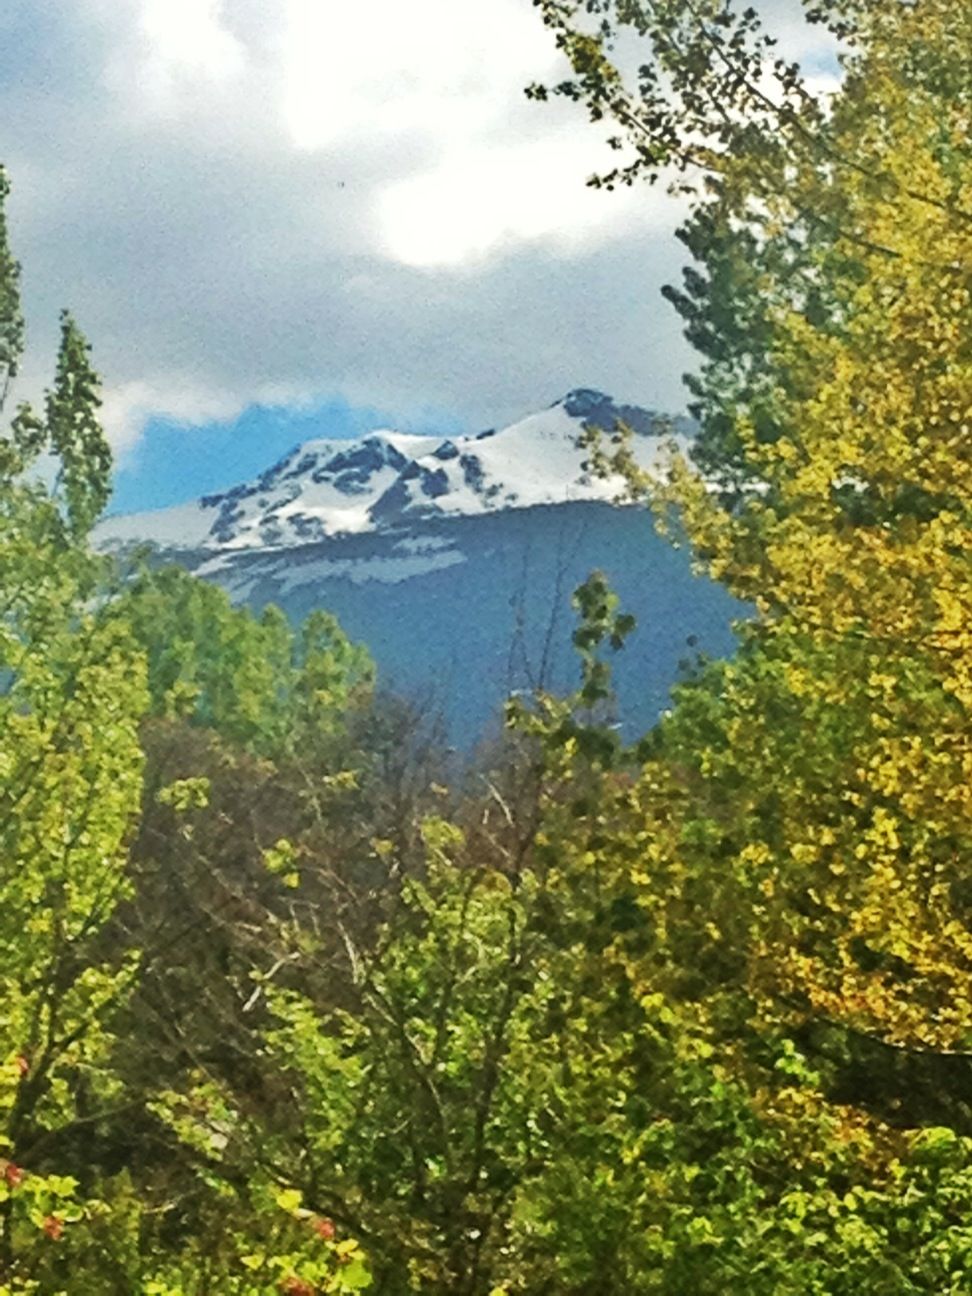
column 389, row 481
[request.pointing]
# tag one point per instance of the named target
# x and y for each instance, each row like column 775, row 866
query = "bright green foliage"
column 584, row 721
column 254, row 680
column 553, row 1072
column 689, row 1018
column 855, row 543
column 70, row 778
column 72, row 699
column 389, row 1110
column 117, row 1242
column 695, row 1140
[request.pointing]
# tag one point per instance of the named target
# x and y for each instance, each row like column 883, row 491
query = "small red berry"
column 324, row 1228
column 13, row 1174
column 53, row 1226
column 23, row 1066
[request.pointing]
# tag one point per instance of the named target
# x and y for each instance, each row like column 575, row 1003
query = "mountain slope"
column 454, row 560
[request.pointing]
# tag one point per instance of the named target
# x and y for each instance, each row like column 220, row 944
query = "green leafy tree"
column 11, row 320
column 70, row 778
column 853, row 544
column 254, row 680
column 73, row 695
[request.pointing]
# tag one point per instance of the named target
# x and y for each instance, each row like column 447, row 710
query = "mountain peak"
column 387, row 479
column 582, row 402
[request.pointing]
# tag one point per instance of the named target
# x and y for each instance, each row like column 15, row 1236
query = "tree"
column 256, row 681
column 73, row 694
column 855, row 547
column 855, row 227
column 798, row 838
column 768, row 167
column 70, row 776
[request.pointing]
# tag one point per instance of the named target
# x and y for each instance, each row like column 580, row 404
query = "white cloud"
column 482, row 199
column 448, row 79
column 127, row 406
column 188, row 35
column 292, row 197
column 441, row 68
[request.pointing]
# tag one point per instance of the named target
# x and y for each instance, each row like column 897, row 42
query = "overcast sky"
column 319, row 204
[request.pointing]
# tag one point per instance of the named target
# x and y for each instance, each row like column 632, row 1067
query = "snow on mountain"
column 388, row 481
column 453, row 559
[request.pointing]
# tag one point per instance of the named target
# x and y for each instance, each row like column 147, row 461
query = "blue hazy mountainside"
column 462, row 636
column 454, row 559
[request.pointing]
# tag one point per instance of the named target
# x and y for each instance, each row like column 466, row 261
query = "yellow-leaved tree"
column 854, row 539
column 836, row 416
column 799, row 837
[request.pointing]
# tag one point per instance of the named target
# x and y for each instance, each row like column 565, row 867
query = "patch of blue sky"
column 173, row 463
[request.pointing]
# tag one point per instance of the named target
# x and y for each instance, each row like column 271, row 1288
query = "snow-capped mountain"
column 388, row 481
column 454, row 559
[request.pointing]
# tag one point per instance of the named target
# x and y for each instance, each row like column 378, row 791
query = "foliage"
column 254, row 680
column 855, row 548
column 797, row 839
column 71, row 768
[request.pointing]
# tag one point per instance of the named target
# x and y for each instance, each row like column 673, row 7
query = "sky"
column 277, row 219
